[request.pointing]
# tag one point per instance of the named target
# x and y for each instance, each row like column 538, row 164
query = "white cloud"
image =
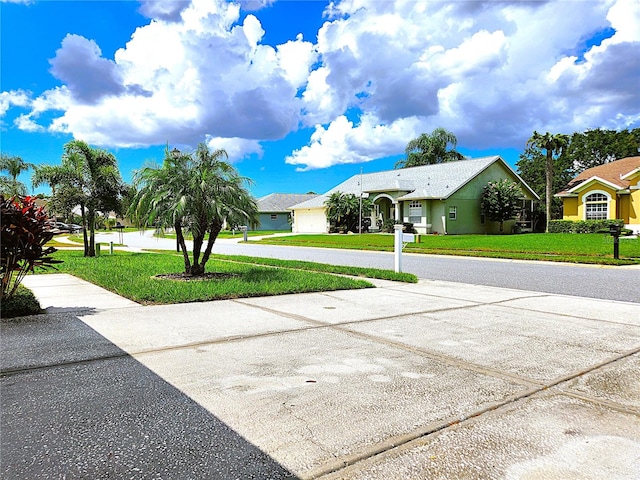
column 341, row 142
column 203, row 75
column 27, row 124
column 17, row 98
column 491, row 72
column 236, row 148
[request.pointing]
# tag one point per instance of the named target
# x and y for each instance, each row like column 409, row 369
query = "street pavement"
column 590, row 281
column 434, row 380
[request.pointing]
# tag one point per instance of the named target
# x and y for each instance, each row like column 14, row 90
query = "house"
column 274, row 209
column 607, row 191
column 441, row 198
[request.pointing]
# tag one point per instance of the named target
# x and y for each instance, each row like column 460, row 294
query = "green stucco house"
column 442, row 198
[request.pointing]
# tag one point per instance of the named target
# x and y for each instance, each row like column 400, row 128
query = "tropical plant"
column 14, row 166
column 429, row 149
column 343, row 210
column 195, row 192
column 554, row 144
column 501, row 200
column 24, row 232
column 531, row 167
column 87, row 177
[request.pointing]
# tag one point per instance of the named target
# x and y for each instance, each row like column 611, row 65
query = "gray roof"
column 426, row 182
column 280, row 202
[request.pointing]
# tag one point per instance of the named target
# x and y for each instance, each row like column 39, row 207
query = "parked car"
column 74, row 228
column 59, row 227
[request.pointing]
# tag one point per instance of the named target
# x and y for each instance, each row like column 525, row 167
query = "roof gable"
column 281, row 202
column 617, row 175
column 426, row 182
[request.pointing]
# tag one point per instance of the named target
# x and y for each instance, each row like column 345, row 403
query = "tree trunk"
column 183, row 246
column 85, row 238
column 549, row 185
column 214, row 230
column 91, row 219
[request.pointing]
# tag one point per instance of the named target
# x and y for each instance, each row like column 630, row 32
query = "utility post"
column 397, row 247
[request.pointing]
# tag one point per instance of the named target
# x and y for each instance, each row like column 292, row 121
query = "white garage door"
column 311, row 220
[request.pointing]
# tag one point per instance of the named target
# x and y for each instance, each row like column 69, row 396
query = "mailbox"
column 615, row 230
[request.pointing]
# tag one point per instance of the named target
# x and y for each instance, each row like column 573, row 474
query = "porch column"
column 398, row 205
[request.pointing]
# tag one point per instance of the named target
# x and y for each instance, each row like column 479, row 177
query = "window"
column 415, row 211
column 274, row 216
column 453, row 213
column 596, row 206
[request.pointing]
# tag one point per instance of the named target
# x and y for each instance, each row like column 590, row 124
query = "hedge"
column 583, row 226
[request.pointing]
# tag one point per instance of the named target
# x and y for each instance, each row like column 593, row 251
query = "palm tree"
column 343, row 210
column 429, row 149
column 87, row 177
column 14, row 166
column 197, row 192
column 553, row 144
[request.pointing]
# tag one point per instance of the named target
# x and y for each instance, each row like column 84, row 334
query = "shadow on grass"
column 74, row 405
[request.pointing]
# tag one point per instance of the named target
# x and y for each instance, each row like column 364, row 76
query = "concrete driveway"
column 434, row 380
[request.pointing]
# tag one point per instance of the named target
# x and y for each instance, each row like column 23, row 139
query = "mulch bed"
column 184, row 277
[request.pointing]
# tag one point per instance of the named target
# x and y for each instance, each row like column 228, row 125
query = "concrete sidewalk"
column 433, row 380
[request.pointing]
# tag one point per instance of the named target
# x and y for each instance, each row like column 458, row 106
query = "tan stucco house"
column 609, row 191
column 442, row 198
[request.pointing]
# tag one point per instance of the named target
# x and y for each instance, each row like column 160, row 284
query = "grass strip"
column 378, row 273
column 573, row 248
column 133, row 275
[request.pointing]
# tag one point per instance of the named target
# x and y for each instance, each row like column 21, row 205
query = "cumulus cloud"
column 168, row 10
column 17, row 98
column 342, row 142
column 236, row 148
column 80, row 65
column 207, row 74
column 380, row 73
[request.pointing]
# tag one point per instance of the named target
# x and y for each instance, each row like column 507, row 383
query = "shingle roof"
column 429, row 181
column 611, row 172
column 280, row 202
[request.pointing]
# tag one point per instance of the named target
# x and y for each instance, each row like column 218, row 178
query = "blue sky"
column 303, row 94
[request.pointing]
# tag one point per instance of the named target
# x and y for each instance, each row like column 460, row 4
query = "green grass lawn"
column 133, row 275
column 559, row 247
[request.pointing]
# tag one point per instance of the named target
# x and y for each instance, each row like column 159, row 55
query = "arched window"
column 596, row 206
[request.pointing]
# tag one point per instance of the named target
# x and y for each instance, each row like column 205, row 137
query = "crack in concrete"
column 402, row 441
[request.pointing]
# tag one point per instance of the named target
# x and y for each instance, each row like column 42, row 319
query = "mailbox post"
column 244, row 232
column 615, row 231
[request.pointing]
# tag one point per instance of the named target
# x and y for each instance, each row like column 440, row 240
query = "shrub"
column 583, row 226
column 388, row 226
column 24, row 231
column 22, row 303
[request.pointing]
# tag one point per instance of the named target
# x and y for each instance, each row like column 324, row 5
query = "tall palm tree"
column 14, row 166
column 197, row 192
column 553, row 144
column 429, row 149
column 87, row 177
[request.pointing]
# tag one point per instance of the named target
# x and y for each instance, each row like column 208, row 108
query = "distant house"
column 274, row 209
column 441, row 198
column 607, row 191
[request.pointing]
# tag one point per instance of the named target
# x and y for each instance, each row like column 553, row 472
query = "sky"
column 304, row 94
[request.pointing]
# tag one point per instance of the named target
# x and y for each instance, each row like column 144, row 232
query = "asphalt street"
column 602, row 282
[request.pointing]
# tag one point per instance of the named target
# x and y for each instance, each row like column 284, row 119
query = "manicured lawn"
column 132, row 275
column 559, row 247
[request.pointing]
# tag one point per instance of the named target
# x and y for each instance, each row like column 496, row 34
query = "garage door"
column 310, row 220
